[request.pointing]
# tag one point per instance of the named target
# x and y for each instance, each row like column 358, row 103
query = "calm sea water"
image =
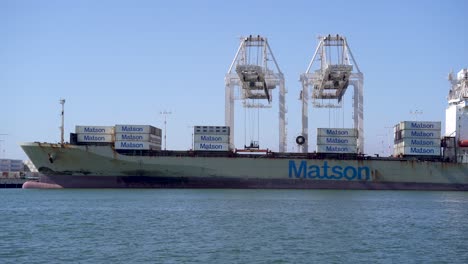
column 232, row 226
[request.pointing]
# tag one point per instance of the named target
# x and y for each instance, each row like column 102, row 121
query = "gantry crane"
column 250, row 78
column 329, row 83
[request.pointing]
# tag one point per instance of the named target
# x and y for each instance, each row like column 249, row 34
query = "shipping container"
column 95, row 138
column 136, row 145
column 211, row 138
column 337, row 141
column 94, row 129
column 211, row 146
column 336, row 149
column 211, row 130
column 10, row 161
column 418, row 142
column 17, row 166
column 416, row 151
column 14, row 175
column 139, row 129
column 420, row 125
column 411, row 133
column 137, row 137
column 337, row 132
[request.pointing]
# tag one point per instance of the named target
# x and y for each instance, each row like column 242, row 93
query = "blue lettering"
column 297, row 174
column 314, row 172
column 131, row 137
column 335, row 132
column 421, row 125
column 336, row 149
column 345, row 173
column 421, row 134
column 210, row 138
column 94, row 138
column 94, row 130
column 211, row 146
column 336, row 140
column 132, row 129
column 131, row 145
column 422, row 151
column 326, row 171
column 337, row 170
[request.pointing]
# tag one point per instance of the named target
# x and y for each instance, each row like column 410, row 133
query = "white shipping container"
column 336, row 149
column 337, row 132
column 143, row 129
column 94, row 129
column 211, row 146
column 211, row 130
column 137, row 137
column 105, row 138
column 136, row 145
column 337, row 141
column 419, row 142
column 211, row 138
column 420, row 125
column 10, row 161
column 417, row 151
column 426, row 134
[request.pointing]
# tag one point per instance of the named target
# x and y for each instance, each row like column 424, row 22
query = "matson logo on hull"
column 303, row 170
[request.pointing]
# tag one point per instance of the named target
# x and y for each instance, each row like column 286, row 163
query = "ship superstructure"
column 456, row 118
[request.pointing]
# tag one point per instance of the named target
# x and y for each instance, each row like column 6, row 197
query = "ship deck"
column 275, row 155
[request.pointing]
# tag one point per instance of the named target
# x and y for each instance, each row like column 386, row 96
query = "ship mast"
column 62, row 127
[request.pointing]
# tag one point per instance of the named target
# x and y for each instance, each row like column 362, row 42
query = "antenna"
column 62, row 127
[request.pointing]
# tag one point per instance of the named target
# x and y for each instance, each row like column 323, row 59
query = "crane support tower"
column 251, row 78
column 336, row 71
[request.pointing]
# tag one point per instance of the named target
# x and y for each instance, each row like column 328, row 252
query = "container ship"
column 131, row 155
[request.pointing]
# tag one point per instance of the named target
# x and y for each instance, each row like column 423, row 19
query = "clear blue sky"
column 125, row 61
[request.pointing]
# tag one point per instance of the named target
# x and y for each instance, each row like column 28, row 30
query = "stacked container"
column 337, row 140
column 137, row 137
column 7, row 165
column 94, row 134
column 417, row 138
column 211, row 138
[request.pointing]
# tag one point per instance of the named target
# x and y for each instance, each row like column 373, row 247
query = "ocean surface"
column 232, row 226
